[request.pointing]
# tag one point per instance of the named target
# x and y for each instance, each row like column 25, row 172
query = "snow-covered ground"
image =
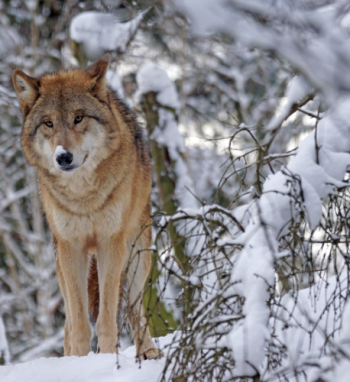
column 93, row 367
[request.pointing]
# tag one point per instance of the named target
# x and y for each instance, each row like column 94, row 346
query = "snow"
column 321, row 161
column 152, row 78
column 100, row 32
column 4, row 350
column 306, row 179
column 247, row 339
column 312, row 41
column 317, row 170
column 313, row 305
column 207, row 171
column 321, row 304
column 93, row 367
column 314, row 46
column 297, row 89
column 115, row 82
column 341, row 371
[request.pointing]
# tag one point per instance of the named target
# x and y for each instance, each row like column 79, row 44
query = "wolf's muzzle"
column 64, row 160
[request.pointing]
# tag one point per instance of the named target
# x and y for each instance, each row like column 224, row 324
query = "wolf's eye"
column 78, row 119
column 49, row 124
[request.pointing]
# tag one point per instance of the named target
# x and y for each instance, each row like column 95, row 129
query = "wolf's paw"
column 80, row 349
column 152, row 353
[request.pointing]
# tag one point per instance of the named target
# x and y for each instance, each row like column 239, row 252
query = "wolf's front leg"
column 68, row 322
column 74, row 268
column 110, row 262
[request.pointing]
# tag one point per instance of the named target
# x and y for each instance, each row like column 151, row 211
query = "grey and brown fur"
column 97, row 200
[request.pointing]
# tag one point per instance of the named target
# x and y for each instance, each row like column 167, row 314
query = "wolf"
column 94, row 176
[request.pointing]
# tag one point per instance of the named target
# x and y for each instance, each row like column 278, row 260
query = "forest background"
column 251, row 258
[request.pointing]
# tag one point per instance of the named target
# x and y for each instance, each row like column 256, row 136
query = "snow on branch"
column 314, row 43
column 318, row 168
column 13, row 196
column 152, row 78
column 320, row 52
column 100, row 32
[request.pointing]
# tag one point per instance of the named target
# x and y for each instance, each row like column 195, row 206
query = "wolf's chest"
column 103, row 223
column 81, row 196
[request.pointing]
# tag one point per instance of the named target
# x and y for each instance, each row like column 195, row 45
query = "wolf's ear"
column 97, row 72
column 27, row 89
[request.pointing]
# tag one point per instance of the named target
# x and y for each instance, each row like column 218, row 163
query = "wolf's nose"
column 65, row 159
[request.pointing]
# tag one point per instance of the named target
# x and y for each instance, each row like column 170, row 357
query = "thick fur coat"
column 95, row 179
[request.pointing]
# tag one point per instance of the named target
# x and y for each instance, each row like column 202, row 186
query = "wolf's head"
column 68, row 122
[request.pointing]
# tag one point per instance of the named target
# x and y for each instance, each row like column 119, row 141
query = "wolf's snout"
column 64, row 159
